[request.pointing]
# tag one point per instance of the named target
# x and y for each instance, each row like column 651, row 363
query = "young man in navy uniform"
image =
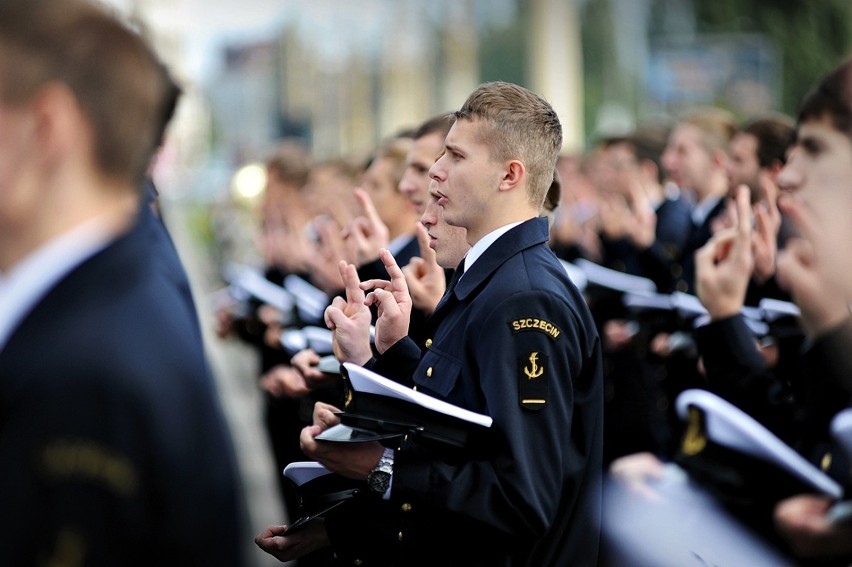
column 113, row 446
column 513, row 339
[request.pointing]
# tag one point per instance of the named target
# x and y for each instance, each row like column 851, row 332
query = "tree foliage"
column 813, row 36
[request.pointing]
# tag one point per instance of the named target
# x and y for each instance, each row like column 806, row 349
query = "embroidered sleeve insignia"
column 532, row 382
column 535, row 324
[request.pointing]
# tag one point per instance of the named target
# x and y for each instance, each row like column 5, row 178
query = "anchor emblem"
column 533, row 370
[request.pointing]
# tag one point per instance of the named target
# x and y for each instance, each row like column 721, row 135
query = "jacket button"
column 399, row 536
column 406, row 507
column 429, row 372
column 825, row 464
column 428, row 343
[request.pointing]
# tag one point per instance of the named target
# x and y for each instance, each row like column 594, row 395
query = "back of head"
column 516, row 123
column 328, row 189
column 173, row 94
column 287, row 169
column 774, row 134
column 831, row 98
column 440, row 125
column 646, row 142
column 395, row 150
column 345, row 168
column 290, row 163
column 649, row 141
column 552, row 198
column 115, row 77
column 554, row 194
column 716, row 125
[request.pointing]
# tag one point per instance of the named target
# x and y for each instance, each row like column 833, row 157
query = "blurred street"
column 235, row 369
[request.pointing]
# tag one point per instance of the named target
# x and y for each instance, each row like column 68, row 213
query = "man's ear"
column 720, row 158
column 774, row 169
column 649, row 170
column 514, row 174
column 60, row 122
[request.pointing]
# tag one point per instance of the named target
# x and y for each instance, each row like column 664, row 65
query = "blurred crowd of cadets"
column 643, row 203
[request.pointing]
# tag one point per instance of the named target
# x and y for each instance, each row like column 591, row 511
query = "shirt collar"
column 22, row 287
column 701, row 210
column 483, row 243
column 400, row 242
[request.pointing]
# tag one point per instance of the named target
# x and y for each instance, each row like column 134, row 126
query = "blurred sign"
column 738, row 71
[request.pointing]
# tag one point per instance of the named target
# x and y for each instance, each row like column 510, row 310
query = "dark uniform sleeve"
column 398, row 362
column 830, row 356
column 530, row 365
column 737, row 372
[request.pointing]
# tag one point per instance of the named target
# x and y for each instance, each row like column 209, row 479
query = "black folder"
column 379, row 409
column 317, row 491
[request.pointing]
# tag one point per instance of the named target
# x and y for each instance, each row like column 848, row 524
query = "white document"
column 575, row 274
column 775, row 309
column 329, row 364
column 613, row 279
column 841, row 430
column 648, row 300
column 367, row 381
column 688, row 305
column 677, row 523
column 310, row 300
column 301, row 472
column 317, row 339
column 728, row 425
column 252, row 281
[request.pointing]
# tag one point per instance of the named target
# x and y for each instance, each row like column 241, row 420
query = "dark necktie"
column 457, row 274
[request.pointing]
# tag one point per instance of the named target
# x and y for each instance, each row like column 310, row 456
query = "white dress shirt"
column 22, row 287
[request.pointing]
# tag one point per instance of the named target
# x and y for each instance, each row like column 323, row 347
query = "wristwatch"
column 379, row 478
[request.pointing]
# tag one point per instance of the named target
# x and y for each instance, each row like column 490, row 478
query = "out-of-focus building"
column 343, row 75
column 350, row 74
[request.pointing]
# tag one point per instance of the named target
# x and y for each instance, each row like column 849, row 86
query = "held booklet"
column 318, row 339
column 378, row 408
column 310, row 300
column 713, row 420
column 597, row 275
column 676, row 522
column 316, row 491
column 329, row 365
column 575, row 274
column 252, row 281
column 300, row 472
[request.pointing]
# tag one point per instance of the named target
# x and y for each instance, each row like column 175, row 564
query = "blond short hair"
column 120, row 84
column 518, row 124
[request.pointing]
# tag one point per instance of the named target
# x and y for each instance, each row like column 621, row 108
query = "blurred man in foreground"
column 113, row 446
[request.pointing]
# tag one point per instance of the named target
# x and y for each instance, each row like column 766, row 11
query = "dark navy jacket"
column 113, row 444
column 513, row 340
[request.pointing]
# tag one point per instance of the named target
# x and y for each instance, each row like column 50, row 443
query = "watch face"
column 379, row 481
column 379, row 478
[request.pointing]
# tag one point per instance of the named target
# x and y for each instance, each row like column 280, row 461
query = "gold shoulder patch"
column 532, row 381
column 64, row 460
column 695, row 438
column 535, row 324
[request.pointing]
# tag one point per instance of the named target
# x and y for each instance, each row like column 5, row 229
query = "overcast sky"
column 203, row 26
column 206, row 25
column 332, row 27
